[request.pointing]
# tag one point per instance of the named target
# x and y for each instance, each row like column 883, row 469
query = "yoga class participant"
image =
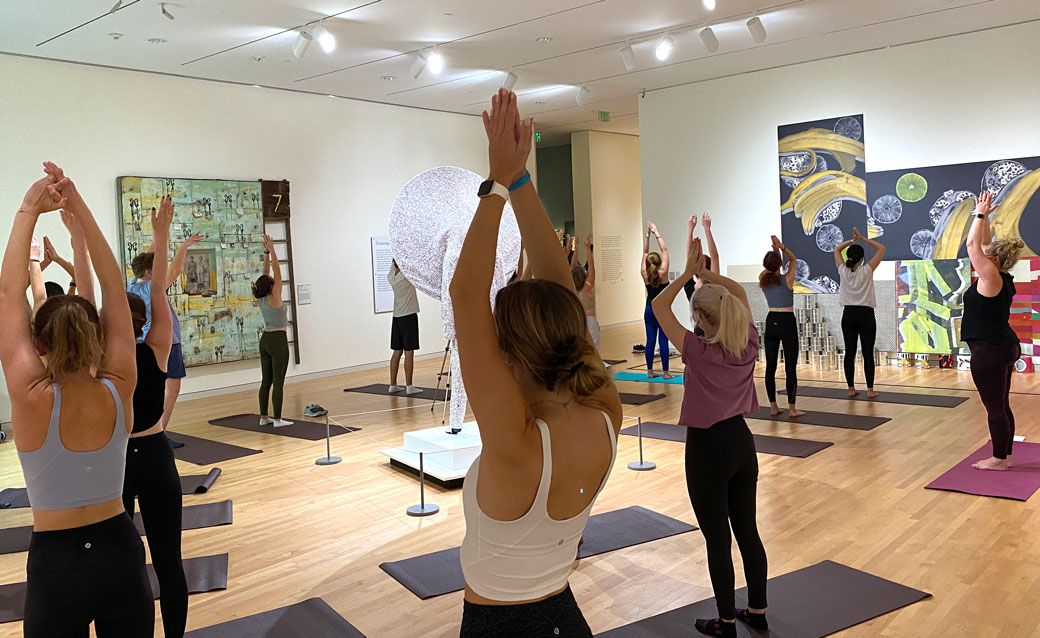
column 274, row 344
column 781, row 327
column 151, row 473
column 547, row 411
column 404, row 330
column 721, row 464
column 585, row 284
column 70, row 375
column 986, row 329
column 711, row 261
column 856, row 294
column 654, row 271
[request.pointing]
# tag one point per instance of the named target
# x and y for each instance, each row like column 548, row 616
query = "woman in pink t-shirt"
column 721, row 465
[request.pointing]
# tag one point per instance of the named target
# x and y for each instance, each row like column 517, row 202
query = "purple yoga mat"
column 1018, row 483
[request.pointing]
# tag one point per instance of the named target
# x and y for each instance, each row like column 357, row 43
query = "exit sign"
column 604, row 116
column 537, row 136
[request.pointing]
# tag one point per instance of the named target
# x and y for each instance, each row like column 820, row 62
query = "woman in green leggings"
column 274, row 344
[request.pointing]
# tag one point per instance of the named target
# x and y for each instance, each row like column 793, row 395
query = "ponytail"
column 653, row 268
column 69, row 329
column 721, row 308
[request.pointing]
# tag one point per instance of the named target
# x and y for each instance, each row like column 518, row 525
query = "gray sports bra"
column 57, row 478
column 274, row 318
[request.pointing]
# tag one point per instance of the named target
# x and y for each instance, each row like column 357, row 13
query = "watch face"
column 486, row 188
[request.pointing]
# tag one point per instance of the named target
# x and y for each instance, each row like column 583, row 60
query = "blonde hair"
column 541, row 327
column 653, row 268
column 722, row 309
column 69, row 329
column 1007, row 252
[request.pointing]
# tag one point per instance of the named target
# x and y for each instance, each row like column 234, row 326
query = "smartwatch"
column 980, row 216
column 491, row 187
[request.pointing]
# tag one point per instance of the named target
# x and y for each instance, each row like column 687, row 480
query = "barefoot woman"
column 781, row 327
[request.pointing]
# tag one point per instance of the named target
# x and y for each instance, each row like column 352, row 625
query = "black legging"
column 722, row 479
column 991, row 368
column 781, row 328
column 859, row 324
column 151, row 476
column 274, row 361
column 557, row 615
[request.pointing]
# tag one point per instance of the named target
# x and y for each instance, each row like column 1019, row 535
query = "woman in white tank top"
column 548, row 412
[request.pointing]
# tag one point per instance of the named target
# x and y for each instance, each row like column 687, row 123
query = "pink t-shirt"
column 716, row 385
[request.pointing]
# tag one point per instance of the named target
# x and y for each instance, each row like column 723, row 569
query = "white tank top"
column 530, row 557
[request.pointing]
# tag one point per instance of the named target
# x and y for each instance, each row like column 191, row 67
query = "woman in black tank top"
column 986, row 329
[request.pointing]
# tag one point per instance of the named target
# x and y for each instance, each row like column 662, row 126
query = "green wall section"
column 556, row 185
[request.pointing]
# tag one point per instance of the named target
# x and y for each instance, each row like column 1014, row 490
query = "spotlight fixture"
column 583, row 95
column 115, row 36
column 708, row 4
column 545, row 39
column 435, row 61
column 388, row 78
column 301, row 44
column 418, row 66
column 116, row 7
column 157, row 40
column 710, row 40
column 510, row 81
column 166, row 14
column 664, row 48
column 324, row 38
column 756, row 29
column 628, row 57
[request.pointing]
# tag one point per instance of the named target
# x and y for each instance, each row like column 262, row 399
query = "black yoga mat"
column 634, row 398
column 809, row 603
column 381, row 388
column 205, row 573
column 765, row 444
column 207, row 452
column 828, row 419
column 13, row 497
column 440, row 573
column 930, row 400
column 311, row 618
column 16, row 539
column 300, row 429
column 199, row 483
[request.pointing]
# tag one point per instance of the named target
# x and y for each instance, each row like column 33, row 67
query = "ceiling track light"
column 166, row 14
column 418, row 66
column 664, row 48
column 583, row 95
column 116, row 7
column 435, row 62
column 756, row 29
column 301, row 44
column 710, row 40
column 510, row 80
column 628, row 57
column 708, row 4
column 324, row 38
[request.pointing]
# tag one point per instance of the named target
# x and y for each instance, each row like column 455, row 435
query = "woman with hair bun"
column 546, row 408
column 856, row 294
column 274, row 344
column 654, row 271
column 781, row 327
column 986, row 329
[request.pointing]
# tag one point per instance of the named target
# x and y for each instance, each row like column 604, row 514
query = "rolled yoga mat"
column 642, row 377
column 828, row 419
column 199, row 483
column 381, row 388
column 311, row 618
column 614, row 362
column 205, row 573
column 905, row 398
column 16, row 539
column 207, row 452
column 440, row 573
column 300, row 429
column 13, row 497
column 809, row 603
column 764, row 444
column 1018, row 483
column 633, row 398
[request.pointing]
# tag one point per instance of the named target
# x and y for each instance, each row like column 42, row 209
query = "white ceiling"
column 249, row 42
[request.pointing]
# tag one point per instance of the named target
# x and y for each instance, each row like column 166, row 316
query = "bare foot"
column 667, row 375
column 1011, row 463
column 650, row 374
column 774, row 409
column 853, row 392
column 871, row 394
column 794, row 414
column 993, row 464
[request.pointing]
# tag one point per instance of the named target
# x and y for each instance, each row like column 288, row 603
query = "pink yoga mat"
column 1018, row 483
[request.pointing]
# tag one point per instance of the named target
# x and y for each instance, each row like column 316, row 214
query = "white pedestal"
column 446, row 457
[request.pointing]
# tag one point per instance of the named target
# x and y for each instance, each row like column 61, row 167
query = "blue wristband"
column 520, row 182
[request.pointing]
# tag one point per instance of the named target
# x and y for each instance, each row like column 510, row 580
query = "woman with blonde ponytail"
column 71, row 378
column 655, row 276
column 721, row 464
column 547, row 411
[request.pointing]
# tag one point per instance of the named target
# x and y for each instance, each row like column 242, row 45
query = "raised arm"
column 839, row 257
column 160, row 334
column 590, row 263
column 573, row 254
column 646, row 253
column 733, row 287
column 177, row 265
column 713, row 250
column 792, row 261
column 980, row 236
column 665, row 260
column 82, row 273
column 662, row 304
column 271, row 260
column 39, row 290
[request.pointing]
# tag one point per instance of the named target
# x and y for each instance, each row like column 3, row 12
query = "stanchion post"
column 423, row 508
column 641, row 465
column 328, row 459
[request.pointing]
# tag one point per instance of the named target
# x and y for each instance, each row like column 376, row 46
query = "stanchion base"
column 328, row 460
column 423, row 510
column 642, row 466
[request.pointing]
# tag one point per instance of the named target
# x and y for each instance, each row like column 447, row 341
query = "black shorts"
column 404, row 333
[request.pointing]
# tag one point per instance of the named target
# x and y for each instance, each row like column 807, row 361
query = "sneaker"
column 280, row 423
column 395, row 388
column 314, row 409
column 266, row 421
column 412, row 390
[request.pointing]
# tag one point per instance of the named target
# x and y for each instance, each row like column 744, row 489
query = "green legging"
column 274, row 361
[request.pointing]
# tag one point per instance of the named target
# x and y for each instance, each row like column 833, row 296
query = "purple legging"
column 655, row 337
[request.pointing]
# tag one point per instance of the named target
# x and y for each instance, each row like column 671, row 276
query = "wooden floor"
column 301, row 530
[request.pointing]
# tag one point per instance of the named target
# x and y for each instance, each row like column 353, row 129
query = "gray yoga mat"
column 930, row 400
column 300, row 429
column 381, row 388
column 440, row 573
column 199, row 483
column 207, row 452
column 779, row 446
column 809, row 603
column 827, row 419
column 13, row 497
column 205, row 573
column 634, row 398
column 311, row 618
column 16, row 539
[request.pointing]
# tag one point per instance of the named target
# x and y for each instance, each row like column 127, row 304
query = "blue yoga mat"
column 643, row 378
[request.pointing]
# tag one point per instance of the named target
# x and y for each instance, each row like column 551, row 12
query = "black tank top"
column 150, row 391
column 653, row 290
column 987, row 318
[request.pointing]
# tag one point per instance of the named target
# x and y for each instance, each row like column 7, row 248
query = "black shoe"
column 715, row 627
column 755, row 621
column 175, row 445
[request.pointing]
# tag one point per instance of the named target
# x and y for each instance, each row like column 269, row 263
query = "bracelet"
column 520, row 182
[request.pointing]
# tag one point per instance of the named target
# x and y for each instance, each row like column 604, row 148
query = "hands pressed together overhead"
column 694, row 259
column 509, row 138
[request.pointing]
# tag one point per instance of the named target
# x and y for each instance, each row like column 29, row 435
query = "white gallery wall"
column 712, row 146
column 345, row 161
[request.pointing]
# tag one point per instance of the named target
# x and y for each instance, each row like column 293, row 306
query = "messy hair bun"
column 1007, row 252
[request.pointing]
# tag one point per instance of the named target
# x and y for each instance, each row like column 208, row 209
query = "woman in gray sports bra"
column 274, row 344
column 86, row 559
